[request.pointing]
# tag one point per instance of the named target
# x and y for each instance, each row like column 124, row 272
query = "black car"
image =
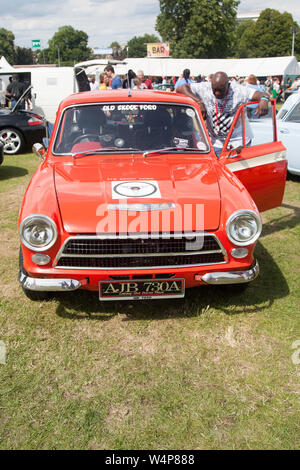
column 20, row 129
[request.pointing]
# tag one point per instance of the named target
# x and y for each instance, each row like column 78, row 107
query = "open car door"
column 261, row 168
column 83, row 83
column 26, row 92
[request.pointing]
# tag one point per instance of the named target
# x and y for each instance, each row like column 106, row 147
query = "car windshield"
column 129, row 127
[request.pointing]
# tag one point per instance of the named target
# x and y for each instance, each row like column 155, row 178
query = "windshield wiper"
column 171, row 149
column 103, row 150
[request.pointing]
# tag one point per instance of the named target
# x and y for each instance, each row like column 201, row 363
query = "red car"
column 131, row 201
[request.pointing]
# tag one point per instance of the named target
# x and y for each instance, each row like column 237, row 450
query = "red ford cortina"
column 131, row 201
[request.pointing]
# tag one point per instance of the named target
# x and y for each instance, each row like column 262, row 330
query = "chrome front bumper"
column 232, row 277
column 51, row 285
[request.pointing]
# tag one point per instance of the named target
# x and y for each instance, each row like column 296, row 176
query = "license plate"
column 141, row 289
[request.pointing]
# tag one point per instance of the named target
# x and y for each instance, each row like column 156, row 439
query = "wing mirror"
column 39, row 150
column 233, row 153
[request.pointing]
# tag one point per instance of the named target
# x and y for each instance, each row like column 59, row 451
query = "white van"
column 50, row 85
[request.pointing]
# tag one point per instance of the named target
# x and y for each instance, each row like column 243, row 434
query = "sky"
column 104, row 21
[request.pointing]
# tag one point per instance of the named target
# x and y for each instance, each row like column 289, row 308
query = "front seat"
column 156, row 131
column 91, row 119
column 183, row 130
column 90, row 124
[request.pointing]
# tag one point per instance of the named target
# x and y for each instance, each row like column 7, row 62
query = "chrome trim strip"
column 138, row 207
column 232, row 277
column 113, row 268
column 151, row 236
column 257, row 161
column 142, row 255
column 138, row 236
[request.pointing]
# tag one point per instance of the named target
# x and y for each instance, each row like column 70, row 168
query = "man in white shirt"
column 93, row 84
column 219, row 101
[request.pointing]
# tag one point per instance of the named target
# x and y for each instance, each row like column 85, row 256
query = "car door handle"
column 284, row 131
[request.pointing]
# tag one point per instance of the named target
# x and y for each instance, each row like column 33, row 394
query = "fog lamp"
column 239, row 252
column 40, row 259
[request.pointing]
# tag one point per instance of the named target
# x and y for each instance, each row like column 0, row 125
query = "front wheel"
column 12, row 140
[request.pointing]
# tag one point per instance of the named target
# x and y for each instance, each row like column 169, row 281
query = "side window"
column 68, row 127
column 262, row 129
column 245, row 133
column 294, row 115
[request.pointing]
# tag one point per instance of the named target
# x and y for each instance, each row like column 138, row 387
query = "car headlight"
column 243, row 227
column 38, row 232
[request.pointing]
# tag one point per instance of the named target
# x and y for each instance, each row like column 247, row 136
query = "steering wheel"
column 87, row 138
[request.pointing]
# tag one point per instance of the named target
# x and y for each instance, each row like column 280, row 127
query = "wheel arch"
column 16, row 129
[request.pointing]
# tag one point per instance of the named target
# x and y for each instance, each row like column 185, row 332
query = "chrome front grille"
column 140, row 251
column 121, row 246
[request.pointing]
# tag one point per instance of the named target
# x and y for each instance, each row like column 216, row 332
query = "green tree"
column 7, row 45
column 137, row 46
column 198, row 28
column 240, row 49
column 72, row 46
column 43, row 56
column 24, row 56
column 269, row 36
column 117, row 52
column 115, row 44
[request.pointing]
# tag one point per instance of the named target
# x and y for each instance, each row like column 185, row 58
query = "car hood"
column 88, row 187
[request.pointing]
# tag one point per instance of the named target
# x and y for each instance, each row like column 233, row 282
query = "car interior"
column 121, row 127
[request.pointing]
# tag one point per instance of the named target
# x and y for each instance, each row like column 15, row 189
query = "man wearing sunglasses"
column 218, row 101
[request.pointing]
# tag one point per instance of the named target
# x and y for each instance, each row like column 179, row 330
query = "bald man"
column 219, row 101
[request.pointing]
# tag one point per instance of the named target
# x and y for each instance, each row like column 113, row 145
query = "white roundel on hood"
column 135, row 189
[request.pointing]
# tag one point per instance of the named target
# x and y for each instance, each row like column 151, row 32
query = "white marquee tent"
column 5, row 67
column 6, row 71
column 242, row 67
column 173, row 67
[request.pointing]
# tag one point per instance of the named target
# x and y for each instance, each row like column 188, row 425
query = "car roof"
column 288, row 105
column 122, row 95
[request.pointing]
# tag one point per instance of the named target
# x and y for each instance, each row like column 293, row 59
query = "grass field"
column 211, row 371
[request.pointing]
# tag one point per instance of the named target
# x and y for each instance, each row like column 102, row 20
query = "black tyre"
column 31, row 294
column 12, row 140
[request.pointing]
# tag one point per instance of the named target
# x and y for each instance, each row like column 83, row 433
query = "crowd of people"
column 218, row 97
column 13, row 92
column 108, row 79
column 274, row 86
